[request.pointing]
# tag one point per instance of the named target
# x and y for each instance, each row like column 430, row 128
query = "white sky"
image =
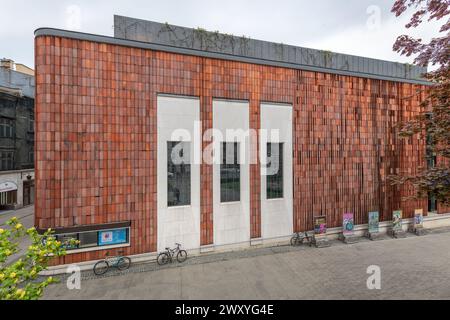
column 359, row 27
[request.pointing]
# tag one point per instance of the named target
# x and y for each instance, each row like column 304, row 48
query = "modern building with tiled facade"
column 107, row 109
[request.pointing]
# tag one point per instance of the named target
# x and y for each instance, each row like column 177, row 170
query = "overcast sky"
column 359, row 27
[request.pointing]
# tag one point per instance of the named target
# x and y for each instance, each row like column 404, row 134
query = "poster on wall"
column 320, row 226
column 397, row 220
column 112, row 237
column 348, row 224
column 374, row 222
column 67, row 241
column 418, row 218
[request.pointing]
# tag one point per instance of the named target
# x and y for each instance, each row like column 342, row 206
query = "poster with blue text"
column 112, row 237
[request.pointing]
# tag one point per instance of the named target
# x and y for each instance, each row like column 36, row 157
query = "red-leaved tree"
column 433, row 123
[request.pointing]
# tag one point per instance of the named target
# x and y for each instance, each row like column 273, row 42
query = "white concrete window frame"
column 277, row 214
column 179, row 224
column 231, row 219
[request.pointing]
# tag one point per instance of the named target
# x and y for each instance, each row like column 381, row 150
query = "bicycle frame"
column 120, row 262
column 172, row 252
column 114, row 260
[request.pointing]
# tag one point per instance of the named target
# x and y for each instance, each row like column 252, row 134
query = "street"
column 26, row 217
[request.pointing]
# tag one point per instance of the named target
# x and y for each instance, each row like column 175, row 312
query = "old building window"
column 6, row 160
column 230, row 173
column 6, row 128
column 31, row 157
column 31, row 123
column 178, row 174
column 8, row 198
column 274, row 186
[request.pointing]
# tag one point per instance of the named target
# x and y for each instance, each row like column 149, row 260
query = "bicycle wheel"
column 182, row 256
column 296, row 241
column 101, row 267
column 162, row 259
column 123, row 263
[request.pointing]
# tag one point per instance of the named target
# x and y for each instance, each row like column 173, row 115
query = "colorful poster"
column 418, row 218
column 348, row 224
column 111, row 237
column 397, row 220
column 374, row 222
column 320, row 225
column 66, row 241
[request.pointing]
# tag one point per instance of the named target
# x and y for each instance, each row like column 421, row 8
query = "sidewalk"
column 411, row 268
column 240, row 254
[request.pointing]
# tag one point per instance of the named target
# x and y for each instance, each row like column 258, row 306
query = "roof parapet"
column 215, row 42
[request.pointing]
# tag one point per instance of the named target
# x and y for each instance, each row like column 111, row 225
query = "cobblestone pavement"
column 411, row 268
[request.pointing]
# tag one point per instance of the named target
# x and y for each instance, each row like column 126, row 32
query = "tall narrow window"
column 31, row 157
column 6, row 128
column 6, row 160
column 430, row 154
column 230, row 173
column 178, row 174
column 274, row 186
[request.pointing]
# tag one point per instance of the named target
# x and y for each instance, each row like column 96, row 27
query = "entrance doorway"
column 28, row 193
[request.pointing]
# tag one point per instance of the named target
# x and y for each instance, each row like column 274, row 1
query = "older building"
column 16, row 136
column 112, row 111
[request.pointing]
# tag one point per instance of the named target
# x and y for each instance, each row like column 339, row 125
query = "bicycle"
column 300, row 237
column 169, row 254
column 120, row 262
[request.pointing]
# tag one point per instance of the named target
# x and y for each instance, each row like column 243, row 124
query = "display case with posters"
column 348, row 228
column 374, row 222
column 373, row 231
column 397, row 225
column 417, row 226
column 348, row 224
column 320, row 239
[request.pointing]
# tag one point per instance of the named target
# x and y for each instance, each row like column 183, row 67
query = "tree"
column 20, row 280
column 433, row 122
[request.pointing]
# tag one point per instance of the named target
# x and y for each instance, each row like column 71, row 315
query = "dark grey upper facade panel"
column 215, row 42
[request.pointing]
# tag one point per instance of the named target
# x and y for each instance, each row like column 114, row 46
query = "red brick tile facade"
column 96, row 137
